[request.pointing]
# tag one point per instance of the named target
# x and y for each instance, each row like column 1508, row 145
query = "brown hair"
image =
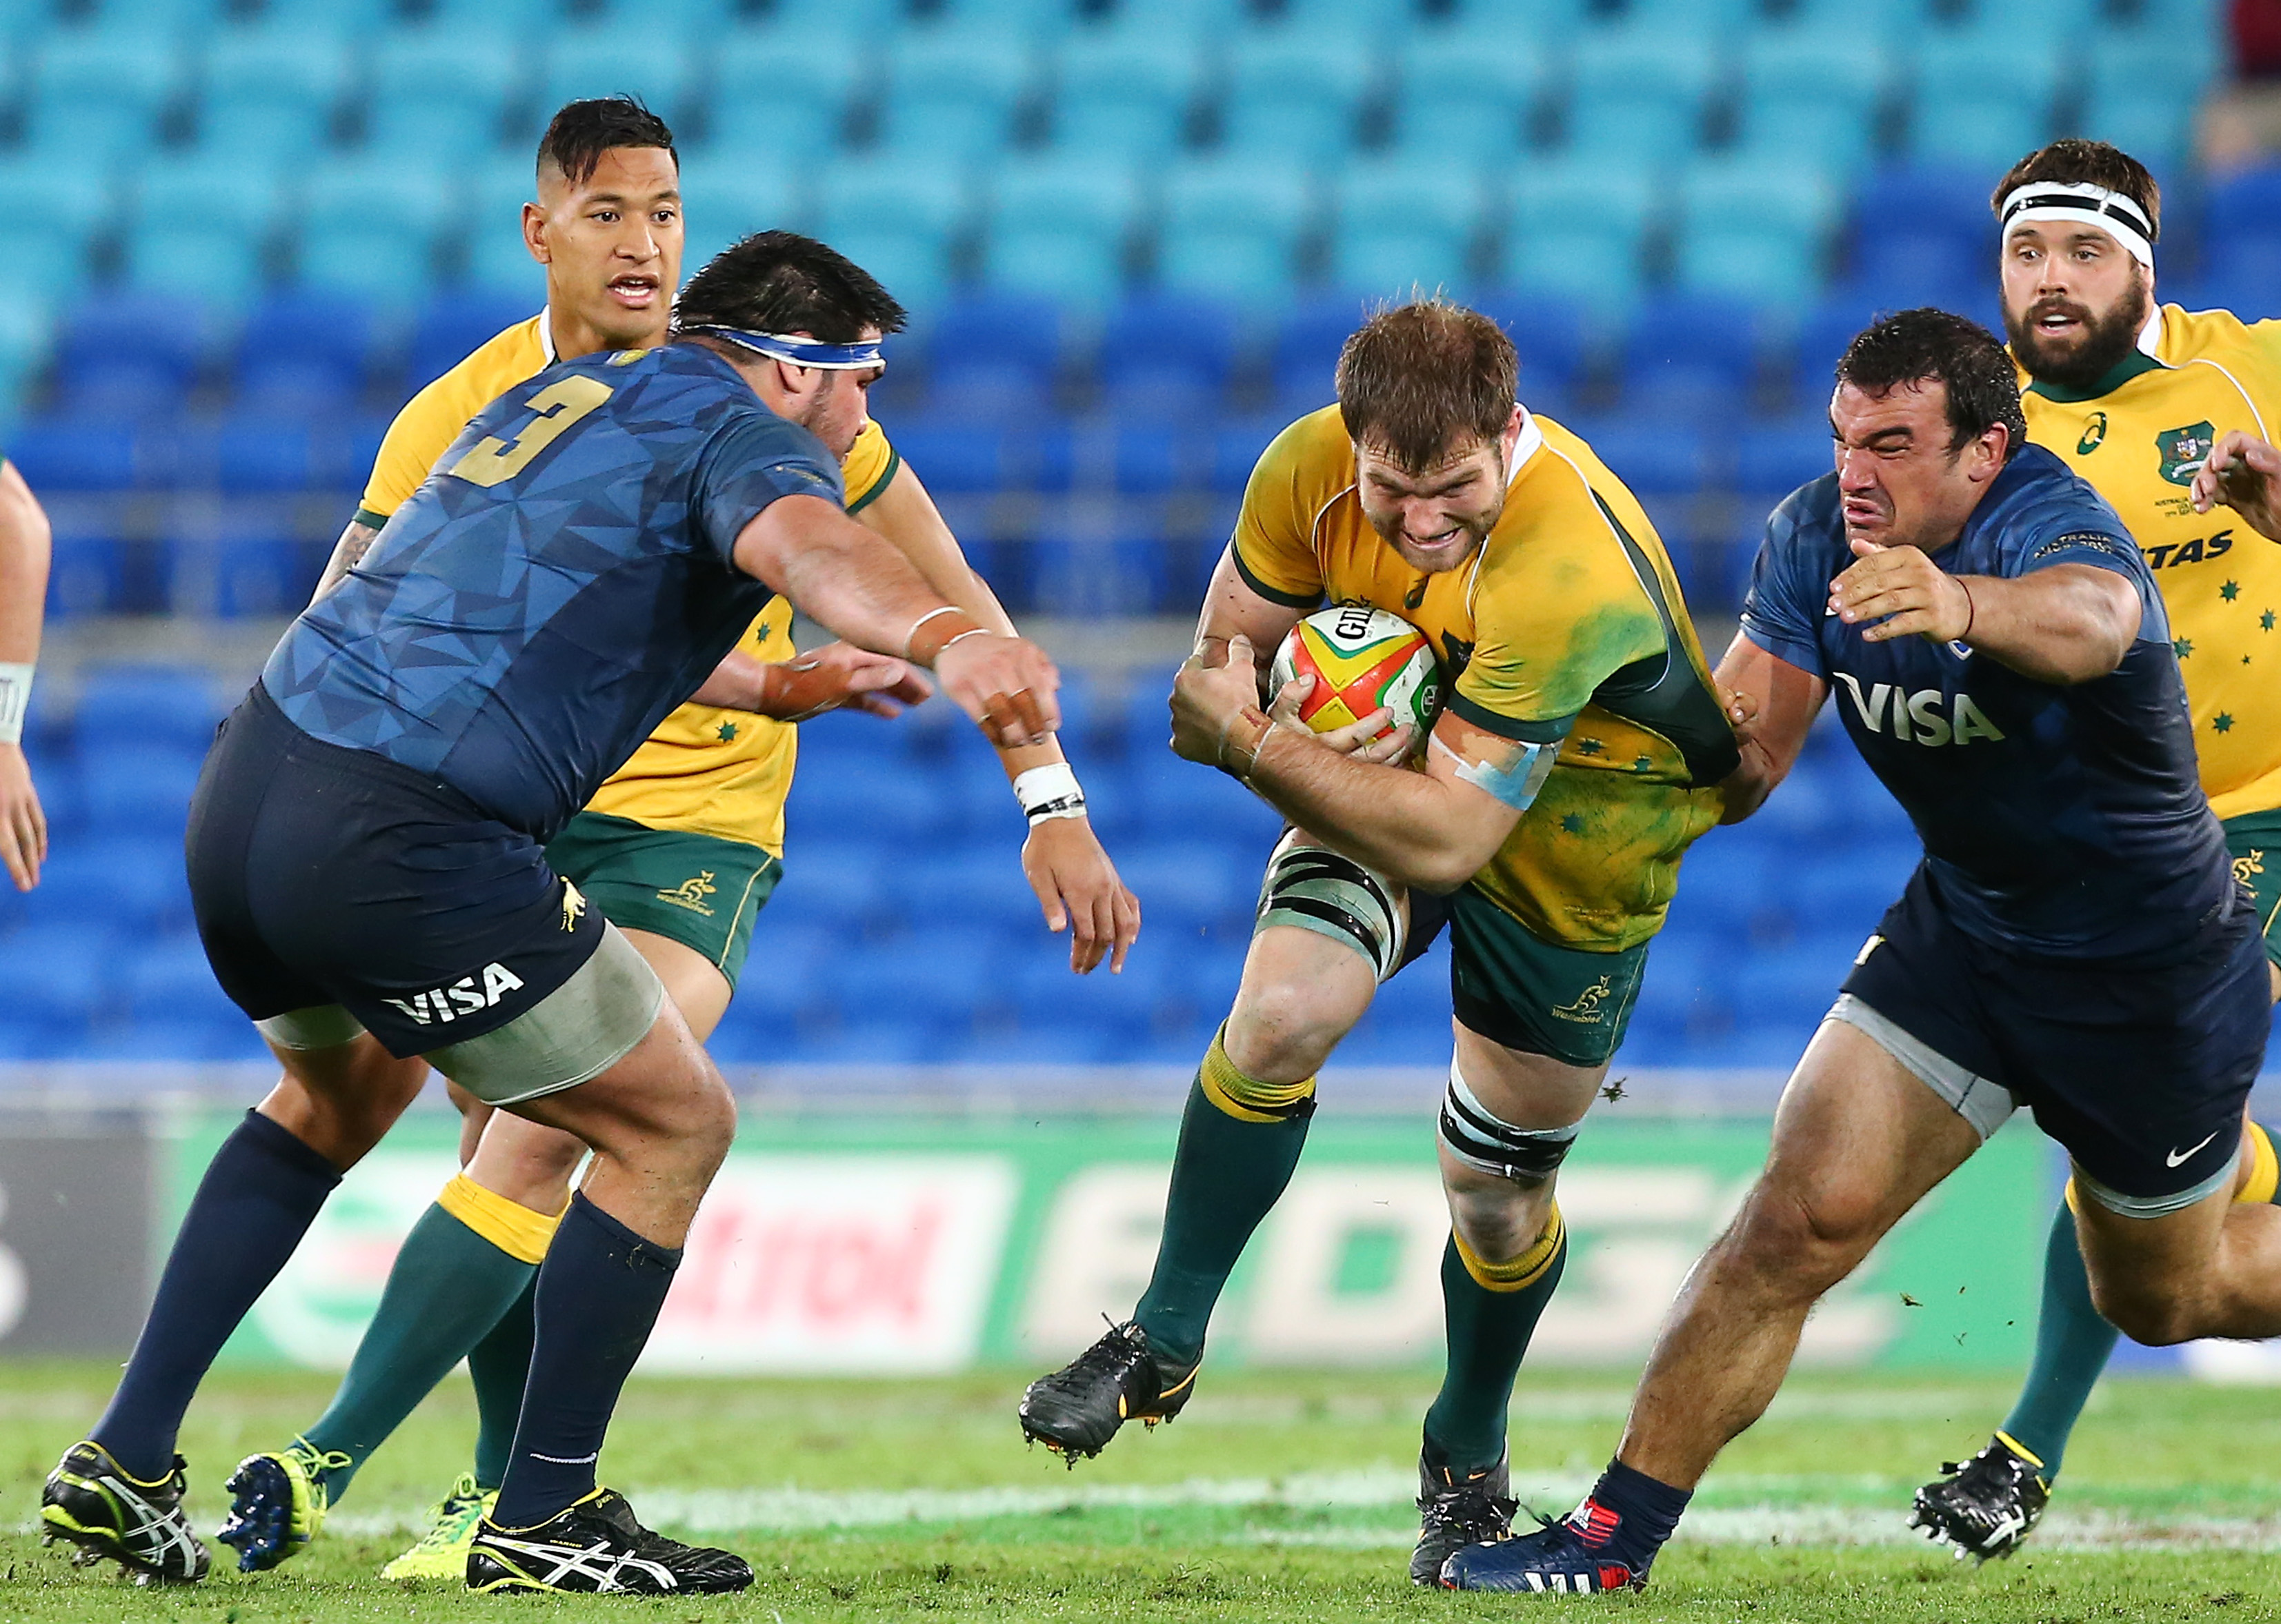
column 1417, row 378
column 2074, row 162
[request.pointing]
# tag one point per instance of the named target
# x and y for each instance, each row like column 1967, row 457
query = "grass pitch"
column 1275, row 1497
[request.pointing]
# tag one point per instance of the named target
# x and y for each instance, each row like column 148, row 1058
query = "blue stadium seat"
column 141, row 793
column 960, row 455
column 57, row 206
column 1189, row 20
column 932, row 975
column 170, row 980
column 1406, row 223
column 1388, row 18
column 97, row 94
column 977, row 889
column 202, row 227
column 158, row 708
column 1012, row 20
column 262, row 452
column 370, row 225
column 1983, row 97
column 1309, row 335
column 1232, row 227
column 725, row 198
column 1191, row 885
column 1237, row 443
column 1691, row 354
column 1550, row 332
column 995, row 352
column 831, row 884
column 2241, row 230
column 439, row 94
column 491, row 201
column 26, row 332
column 1095, row 1014
column 449, row 326
column 2141, row 92
column 1124, row 93
column 304, row 352
column 335, row 17
column 1712, row 19
column 526, row 17
column 1637, row 96
column 1174, row 795
column 1466, row 94
column 864, row 797
column 783, row 91
column 270, row 92
column 895, row 218
column 1098, row 577
column 185, row 17
column 617, row 56
column 1171, row 351
column 131, row 353
column 952, row 92
column 245, row 569
column 1772, row 459
column 76, row 453
column 1654, row 459
column 1058, row 226
column 1923, row 234
column 1754, row 228
column 865, row 18
column 59, row 974
column 1812, row 96
column 1576, row 230
column 134, row 883
column 1295, row 93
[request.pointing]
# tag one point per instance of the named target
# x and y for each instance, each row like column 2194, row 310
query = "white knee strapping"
column 1480, row 1140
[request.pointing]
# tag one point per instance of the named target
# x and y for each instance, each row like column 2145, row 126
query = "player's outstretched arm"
column 1433, row 829
column 24, row 552
column 1771, row 705
column 2243, row 473
column 348, row 552
column 1078, row 887
column 846, row 578
column 2065, row 624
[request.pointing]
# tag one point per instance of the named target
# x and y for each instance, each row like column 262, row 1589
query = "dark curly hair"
column 581, row 132
column 780, row 281
column 1929, row 347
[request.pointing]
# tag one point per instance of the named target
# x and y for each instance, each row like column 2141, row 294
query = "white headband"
column 2086, row 205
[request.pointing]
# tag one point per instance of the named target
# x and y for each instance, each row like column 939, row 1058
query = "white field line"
column 1381, row 1490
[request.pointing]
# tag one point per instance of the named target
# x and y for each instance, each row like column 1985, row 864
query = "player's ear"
column 534, row 234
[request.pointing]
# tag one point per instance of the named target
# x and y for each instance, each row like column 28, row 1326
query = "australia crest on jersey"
column 2183, row 451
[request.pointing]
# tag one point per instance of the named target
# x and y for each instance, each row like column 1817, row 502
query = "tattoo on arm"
column 348, row 552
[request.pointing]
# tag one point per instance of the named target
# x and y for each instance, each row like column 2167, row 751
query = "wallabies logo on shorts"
column 690, row 893
column 1586, row 1010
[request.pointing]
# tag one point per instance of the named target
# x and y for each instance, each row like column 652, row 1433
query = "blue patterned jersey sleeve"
column 1789, row 589
column 750, row 465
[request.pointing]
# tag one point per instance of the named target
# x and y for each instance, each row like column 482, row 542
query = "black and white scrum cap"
column 2084, row 205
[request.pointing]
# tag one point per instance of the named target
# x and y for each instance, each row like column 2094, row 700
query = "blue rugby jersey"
column 560, row 583
column 2062, row 822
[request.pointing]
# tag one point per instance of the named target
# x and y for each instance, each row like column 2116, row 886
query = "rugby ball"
column 1362, row 659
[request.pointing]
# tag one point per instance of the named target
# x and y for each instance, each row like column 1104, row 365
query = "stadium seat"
column 1923, row 235
column 202, row 228
column 491, row 199
column 79, row 453
column 1754, row 228
column 439, row 94
column 269, row 92
column 995, row 352
column 158, row 707
column 370, row 225
column 932, row 975
column 617, row 56
column 58, row 205
column 1237, row 443
column 783, row 93
column 526, row 17
column 1012, row 20
column 448, row 326
column 864, row 17
column 1232, row 227
column 1466, row 94
column 1058, row 226
column 1367, row 18
column 1654, row 458
column 304, row 352
column 1711, row 20
column 1122, row 94
column 1637, row 96
column 2241, row 239
column 170, row 980
column 246, row 569
column 952, row 93
column 1551, row 334
column 97, row 94
column 131, row 353
column 1308, row 337
column 58, row 973
column 1408, row 223
column 1691, row 354
column 1294, row 92
column 1098, row 577
column 133, row 882
column 895, row 218
column 2141, row 90
column 334, row 17
column 1171, row 352
column 1983, row 95
column 725, row 198
column 1811, row 97
column 1772, row 459
column 143, row 792
column 1576, row 230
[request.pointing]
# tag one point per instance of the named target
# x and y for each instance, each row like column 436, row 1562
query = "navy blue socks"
column 597, row 1295
column 1628, row 1515
column 258, row 1196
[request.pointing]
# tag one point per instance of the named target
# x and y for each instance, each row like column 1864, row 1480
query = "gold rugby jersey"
column 705, row 770
column 1568, row 621
column 2140, row 436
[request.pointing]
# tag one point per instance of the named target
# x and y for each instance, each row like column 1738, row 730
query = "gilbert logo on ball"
column 1362, row 659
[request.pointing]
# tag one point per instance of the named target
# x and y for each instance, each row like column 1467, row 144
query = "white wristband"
column 16, row 698
column 1049, row 792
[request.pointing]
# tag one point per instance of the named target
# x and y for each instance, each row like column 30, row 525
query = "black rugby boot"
column 90, row 1501
column 1987, row 1505
column 1078, row 1408
column 1457, row 1510
column 596, row 1546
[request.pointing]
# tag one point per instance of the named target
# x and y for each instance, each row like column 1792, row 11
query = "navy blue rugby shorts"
column 321, row 875
column 2141, row 1074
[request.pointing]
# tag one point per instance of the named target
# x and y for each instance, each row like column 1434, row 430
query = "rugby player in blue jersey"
column 368, row 869
column 2073, row 940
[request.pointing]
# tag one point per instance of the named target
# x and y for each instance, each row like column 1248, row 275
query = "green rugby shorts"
column 698, row 890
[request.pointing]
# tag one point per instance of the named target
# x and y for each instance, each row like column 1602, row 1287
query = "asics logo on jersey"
column 1919, row 718
column 464, row 996
column 2179, row 1158
column 2094, row 431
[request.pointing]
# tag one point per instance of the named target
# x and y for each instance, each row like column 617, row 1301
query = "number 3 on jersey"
column 493, row 460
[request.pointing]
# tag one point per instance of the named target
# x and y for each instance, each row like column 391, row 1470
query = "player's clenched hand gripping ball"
column 1361, row 661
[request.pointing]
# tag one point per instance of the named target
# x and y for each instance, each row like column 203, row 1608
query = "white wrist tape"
column 16, row 698
column 1049, row 792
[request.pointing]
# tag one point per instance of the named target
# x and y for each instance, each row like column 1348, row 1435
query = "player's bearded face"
column 1435, row 517
column 839, row 403
column 2075, row 302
